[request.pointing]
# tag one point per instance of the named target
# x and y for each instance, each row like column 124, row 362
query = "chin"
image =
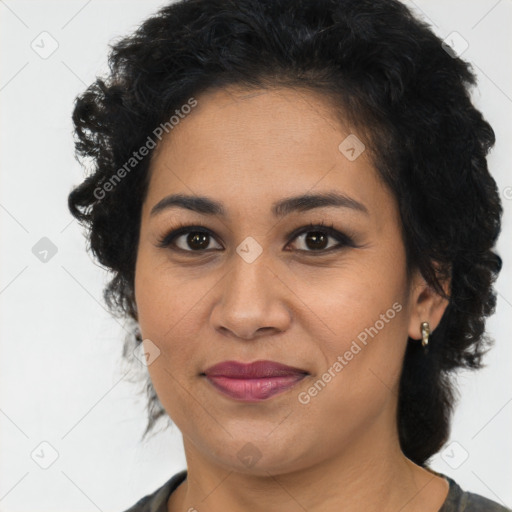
column 262, row 455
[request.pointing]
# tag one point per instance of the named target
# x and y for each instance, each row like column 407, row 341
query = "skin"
column 304, row 309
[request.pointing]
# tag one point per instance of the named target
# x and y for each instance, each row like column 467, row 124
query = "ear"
column 426, row 305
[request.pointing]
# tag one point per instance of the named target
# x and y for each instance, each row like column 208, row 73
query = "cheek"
column 374, row 342
column 151, row 302
column 162, row 296
column 170, row 309
column 348, row 300
column 162, row 311
column 359, row 382
column 364, row 321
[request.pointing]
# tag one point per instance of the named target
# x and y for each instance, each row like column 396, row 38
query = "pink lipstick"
column 253, row 382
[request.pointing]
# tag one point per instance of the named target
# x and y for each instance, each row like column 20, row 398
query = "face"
column 257, row 282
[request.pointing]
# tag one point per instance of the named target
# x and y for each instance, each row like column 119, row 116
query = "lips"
column 253, row 382
column 255, row 370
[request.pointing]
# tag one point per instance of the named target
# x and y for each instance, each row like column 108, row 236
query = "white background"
column 61, row 379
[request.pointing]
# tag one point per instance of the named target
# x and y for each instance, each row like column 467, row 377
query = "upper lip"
column 255, row 370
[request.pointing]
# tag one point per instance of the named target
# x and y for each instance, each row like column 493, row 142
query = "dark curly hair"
column 391, row 76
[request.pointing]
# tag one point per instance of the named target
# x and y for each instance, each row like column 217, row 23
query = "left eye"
column 316, row 237
column 317, row 240
column 198, row 239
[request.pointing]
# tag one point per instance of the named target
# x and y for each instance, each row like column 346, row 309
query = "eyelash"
column 344, row 240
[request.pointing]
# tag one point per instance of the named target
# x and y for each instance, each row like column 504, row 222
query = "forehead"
column 287, row 113
column 257, row 146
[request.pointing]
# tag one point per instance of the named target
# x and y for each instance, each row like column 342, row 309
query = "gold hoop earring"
column 425, row 333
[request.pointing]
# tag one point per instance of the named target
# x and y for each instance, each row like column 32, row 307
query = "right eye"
column 188, row 239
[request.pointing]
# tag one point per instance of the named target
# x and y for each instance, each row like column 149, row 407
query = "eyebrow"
column 207, row 206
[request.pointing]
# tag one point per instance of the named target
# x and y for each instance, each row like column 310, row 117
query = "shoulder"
column 476, row 503
column 459, row 500
column 157, row 500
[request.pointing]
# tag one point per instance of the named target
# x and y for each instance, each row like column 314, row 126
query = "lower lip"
column 254, row 390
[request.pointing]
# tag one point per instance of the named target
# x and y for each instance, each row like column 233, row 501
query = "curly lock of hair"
column 390, row 76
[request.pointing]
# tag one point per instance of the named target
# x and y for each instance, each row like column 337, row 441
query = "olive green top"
column 456, row 501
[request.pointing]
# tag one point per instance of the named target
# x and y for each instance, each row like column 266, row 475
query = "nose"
column 252, row 301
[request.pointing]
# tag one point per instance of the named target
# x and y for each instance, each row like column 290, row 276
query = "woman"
column 294, row 200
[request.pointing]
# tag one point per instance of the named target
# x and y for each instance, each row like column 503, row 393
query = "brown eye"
column 189, row 239
column 315, row 239
column 197, row 240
